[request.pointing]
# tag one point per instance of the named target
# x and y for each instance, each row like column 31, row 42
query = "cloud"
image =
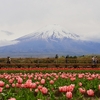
column 25, row 16
column 7, row 32
column 6, row 42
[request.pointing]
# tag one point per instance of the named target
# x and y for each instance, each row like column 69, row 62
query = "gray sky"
column 21, row 17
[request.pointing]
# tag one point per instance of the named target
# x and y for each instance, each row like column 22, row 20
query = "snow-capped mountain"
column 51, row 32
column 48, row 41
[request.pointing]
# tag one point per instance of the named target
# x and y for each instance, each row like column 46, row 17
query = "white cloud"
column 6, row 32
column 6, row 42
column 22, row 17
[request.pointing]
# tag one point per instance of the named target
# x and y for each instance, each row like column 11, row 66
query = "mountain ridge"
column 51, row 32
column 49, row 41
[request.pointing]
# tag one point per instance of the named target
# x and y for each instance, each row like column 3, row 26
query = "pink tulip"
column 44, row 90
column 36, row 90
column 72, row 85
column 20, row 80
column 90, row 92
column 30, row 89
column 1, row 89
column 18, row 85
column 64, row 89
column 39, row 78
column 12, row 99
column 28, row 83
column 11, row 81
column 80, row 76
column 60, row 88
column 48, row 78
column 1, row 83
column 42, row 81
column 33, row 85
column 70, row 88
column 7, row 86
column 99, row 86
column 82, row 90
column 22, row 85
column 72, row 78
column 90, row 78
column 93, row 76
column 13, row 85
column 37, row 82
column 51, row 82
column 99, row 77
column 55, row 79
column 69, row 95
column 80, row 84
column 40, row 87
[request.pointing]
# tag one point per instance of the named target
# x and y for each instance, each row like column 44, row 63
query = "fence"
column 48, row 62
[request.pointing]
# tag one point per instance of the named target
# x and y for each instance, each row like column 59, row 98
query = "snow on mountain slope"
column 51, row 32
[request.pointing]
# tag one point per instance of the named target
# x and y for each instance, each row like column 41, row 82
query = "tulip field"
column 49, row 84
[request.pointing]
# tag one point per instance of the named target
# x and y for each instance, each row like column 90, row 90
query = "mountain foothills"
column 48, row 41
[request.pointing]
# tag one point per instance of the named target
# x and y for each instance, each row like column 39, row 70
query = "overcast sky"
column 21, row 17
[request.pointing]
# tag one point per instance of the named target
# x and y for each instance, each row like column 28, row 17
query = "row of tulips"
column 50, row 86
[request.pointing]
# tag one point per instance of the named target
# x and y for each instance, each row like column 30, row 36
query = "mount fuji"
column 50, row 32
column 48, row 41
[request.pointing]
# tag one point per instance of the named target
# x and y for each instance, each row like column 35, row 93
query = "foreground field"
column 49, row 84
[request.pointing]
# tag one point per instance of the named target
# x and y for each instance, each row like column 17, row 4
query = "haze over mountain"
column 48, row 41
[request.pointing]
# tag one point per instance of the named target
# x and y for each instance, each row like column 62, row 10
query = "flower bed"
column 49, row 84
